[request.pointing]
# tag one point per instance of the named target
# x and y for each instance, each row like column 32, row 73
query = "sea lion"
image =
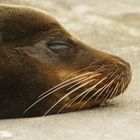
column 45, row 70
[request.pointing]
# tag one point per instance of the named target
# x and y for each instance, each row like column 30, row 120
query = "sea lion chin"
column 45, row 70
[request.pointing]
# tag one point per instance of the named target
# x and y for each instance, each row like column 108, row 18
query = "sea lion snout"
column 123, row 65
column 115, row 74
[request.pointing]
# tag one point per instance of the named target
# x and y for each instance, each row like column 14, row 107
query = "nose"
column 121, row 62
column 124, row 67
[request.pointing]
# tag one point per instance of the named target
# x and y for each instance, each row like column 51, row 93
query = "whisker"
column 69, row 103
column 103, row 90
column 68, row 81
column 90, row 65
column 107, row 93
column 114, row 91
column 115, row 86
column 97, row 92
column 88, row 90
column 65, row 82
column 111, row 90
column 67, row 95
column 84, row 80
column 92, row 96
column 112, row 73
column 119, row 85
column 122, row 80
column 106, row 98
column 50, row 93
column 92, row 89
column 122, row 84
column 59, row 86
column 110, row 84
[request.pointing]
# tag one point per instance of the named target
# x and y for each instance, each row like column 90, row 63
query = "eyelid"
column 53, row 41
column 57, row 44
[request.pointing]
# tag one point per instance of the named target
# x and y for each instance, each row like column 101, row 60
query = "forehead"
column 22, row 22
column 27, row 17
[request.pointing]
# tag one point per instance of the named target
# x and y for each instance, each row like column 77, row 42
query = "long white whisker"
column 92, row 89
column 115, row 86
column 51, row 93
column 109, row 84
column 121, row 90
column 119, row 85
column 103, row 90
column 91, row 65
column 92, row 96
column 107, row 92
column 78, row 96
column 57, row 87
column 69, row 103
column 88, row 90
column 84, row 80
column 67, row 95
column 98, row 91
column 85, row 74
column 112, row 89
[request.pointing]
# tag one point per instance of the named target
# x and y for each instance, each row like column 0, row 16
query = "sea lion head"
column 71, row 74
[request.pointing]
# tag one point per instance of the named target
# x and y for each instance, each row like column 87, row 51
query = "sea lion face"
column 86, row 76
column 69, row 75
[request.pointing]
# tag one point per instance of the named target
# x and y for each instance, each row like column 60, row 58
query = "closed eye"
column 59, row 47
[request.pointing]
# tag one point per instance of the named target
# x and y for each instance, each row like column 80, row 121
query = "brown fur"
column 28, row 67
